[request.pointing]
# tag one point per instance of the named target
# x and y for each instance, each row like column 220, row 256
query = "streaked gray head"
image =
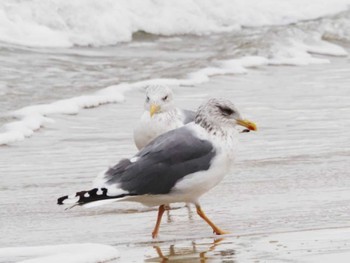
column 219, row 113
column 159, row 99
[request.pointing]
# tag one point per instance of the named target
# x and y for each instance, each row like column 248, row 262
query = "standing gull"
column 178, row 166
column 160, row 115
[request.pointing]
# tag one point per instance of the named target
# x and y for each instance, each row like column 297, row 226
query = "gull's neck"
column 209, row 126
column 225, row 132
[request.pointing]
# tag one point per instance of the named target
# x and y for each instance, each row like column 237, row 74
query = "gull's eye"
column 226, row 111
column 165, row 98
column 147, row 99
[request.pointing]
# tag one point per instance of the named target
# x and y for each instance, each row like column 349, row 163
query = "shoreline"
column 282, row 173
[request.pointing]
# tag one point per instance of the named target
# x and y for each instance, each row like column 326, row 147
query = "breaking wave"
column 66, row 23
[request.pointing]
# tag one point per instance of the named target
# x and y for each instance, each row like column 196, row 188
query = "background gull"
column 178, row 166
column 160, row 115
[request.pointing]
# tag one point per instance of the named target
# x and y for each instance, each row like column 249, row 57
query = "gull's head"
column 221, row 113
column 159, row 99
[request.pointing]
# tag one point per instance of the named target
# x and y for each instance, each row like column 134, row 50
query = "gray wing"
column 162, row 163
column 188, row 116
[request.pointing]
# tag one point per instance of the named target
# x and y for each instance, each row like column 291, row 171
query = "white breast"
column 149, row 128
column 191, row 187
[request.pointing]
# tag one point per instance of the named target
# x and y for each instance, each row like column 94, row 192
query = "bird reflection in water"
column 201, row 252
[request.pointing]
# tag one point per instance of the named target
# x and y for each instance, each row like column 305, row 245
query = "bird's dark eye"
column 165, row 98
column 226, row 111
column 147, row 99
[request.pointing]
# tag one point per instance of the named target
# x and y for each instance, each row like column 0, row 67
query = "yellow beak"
column 248, row 124
column 154, row 109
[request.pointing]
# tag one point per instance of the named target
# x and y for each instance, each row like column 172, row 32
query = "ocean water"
column 72, row 89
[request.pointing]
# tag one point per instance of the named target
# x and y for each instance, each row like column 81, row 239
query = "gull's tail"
column 93, row 197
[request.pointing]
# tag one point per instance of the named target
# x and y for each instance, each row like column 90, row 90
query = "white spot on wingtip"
column 134, row 159
column 86, row 195
column 71, row 200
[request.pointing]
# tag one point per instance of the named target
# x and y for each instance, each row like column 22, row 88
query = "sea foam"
column 32, row 118
column 69, row 253
column 65, row 23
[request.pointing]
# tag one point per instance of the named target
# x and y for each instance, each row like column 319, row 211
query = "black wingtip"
column 61, row 199
column 84, row 197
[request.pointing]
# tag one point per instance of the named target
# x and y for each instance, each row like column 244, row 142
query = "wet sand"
column 287, row 199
